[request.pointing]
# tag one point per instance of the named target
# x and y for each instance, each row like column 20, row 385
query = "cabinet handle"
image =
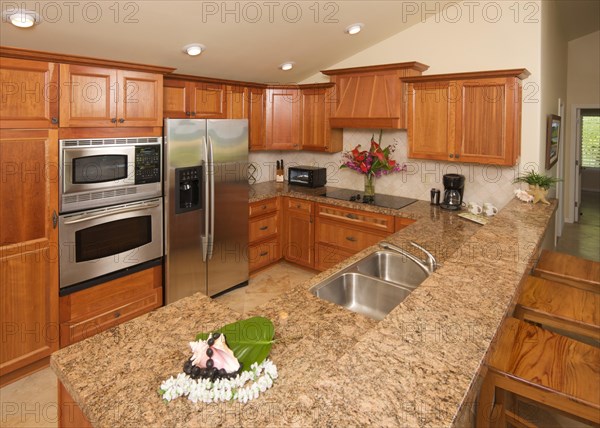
column 298, row 206
column 351, row 216
column 264, row 253
column 117, row 314
column 264, row 207
column 451, row 155
column 457, row 156
column 54, row 120
column 193, row 113
column 54, row 219
column 187, row 113
column 351, row 238
column 113, row 120
column 264, row 228
column 121, row 120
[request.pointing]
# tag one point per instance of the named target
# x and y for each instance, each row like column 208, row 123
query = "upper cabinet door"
column 175, row 99
column 430, row 120
column 317, row 106
column 283, row 119
column 488, row 121
column 87, row 96
column 28, row 94
column 208, row 101
column 237, row 107
column 140, row 100
column 256, row 118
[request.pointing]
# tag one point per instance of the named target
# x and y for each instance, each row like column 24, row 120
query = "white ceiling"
column 245, row 40
column 249, row 43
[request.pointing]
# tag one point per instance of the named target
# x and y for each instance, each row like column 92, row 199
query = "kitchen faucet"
column 429, row 265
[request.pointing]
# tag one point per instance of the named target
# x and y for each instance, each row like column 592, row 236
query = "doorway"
column 587, row 159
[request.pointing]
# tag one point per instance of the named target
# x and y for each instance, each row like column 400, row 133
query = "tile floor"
column 31, row 402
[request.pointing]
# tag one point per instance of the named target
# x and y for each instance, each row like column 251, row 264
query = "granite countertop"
column 420, row 366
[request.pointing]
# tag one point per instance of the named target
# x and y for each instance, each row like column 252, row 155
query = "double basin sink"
column 374, row 285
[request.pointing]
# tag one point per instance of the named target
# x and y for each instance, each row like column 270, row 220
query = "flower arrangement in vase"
column 538, row 185
column 372, row 163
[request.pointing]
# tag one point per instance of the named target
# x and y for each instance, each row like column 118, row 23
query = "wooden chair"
column 575, row 271
column 570, row 310
column 546, row 368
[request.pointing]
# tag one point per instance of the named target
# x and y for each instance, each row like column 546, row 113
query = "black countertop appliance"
column 454, row 187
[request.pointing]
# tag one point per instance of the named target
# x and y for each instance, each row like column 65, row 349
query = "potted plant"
column 538, row 185
column 373, row 163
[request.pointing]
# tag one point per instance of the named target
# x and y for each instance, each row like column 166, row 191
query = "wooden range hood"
column 372, row 96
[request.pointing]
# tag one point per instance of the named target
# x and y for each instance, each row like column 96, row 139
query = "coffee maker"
column 454, row 186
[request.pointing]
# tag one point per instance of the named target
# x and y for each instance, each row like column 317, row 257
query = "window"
column 590, row 138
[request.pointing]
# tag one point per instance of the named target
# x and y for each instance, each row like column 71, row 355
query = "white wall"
column 583, row 89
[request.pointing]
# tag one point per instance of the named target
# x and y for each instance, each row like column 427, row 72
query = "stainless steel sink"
column 363, row 294
column 392, row 267
column 374, row 285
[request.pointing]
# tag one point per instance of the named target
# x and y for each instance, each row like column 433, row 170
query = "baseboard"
column 24, row 371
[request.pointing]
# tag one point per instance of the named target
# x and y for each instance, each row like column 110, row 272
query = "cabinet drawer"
column 263, row 207
column 347, row 238
column 263, row 227
column 299, row 205
column 374, row 221
column 327, row 256
column 260, row 255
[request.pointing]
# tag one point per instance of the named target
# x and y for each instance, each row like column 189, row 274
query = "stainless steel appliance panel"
column 228, row 147
column 105, row 240
column 185, row 271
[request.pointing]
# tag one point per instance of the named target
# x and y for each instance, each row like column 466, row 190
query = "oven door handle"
column 205, row 236
column 89, row 217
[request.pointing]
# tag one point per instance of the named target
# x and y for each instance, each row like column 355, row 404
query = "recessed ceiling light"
column 287, row 65
column 21, row 18
column 354, row 28
column 194, row 49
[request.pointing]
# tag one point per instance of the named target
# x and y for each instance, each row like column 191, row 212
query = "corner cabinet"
column 372, row 96
column 192, row 99
column 28, row 94
column 106, row 97
column 466, row 117
column 318, row 103
column 28, row 251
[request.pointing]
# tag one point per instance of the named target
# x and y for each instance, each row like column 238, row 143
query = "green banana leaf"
column 250, row 339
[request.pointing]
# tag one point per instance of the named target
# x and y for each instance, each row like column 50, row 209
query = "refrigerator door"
column 185, row 207
column 228, row 230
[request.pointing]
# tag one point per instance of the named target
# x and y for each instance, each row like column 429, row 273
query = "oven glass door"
column 88, row 169
column 97, row 242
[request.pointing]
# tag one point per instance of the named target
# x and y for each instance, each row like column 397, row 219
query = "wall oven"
column 103, row 172
column 107, row 240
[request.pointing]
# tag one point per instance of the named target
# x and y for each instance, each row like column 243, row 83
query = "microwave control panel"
column 147, row 164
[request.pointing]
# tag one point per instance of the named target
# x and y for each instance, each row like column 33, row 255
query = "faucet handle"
column 431, row 261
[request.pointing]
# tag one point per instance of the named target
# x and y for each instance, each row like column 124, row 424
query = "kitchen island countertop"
column 420, row 366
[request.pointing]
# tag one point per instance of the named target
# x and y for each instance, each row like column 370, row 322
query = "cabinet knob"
column 351, row 238
column 457, row 156
column 113, row 120
column 187, row 113
column 451, row 155
column 264, row 253
column 264, row 228
column 193, row 113
column 117, row 314
column 121, row 120
column 351, row 216
column 54, row 120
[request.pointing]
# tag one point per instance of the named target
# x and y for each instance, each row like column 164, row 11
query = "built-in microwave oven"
column 107, row 240
column 102, row 172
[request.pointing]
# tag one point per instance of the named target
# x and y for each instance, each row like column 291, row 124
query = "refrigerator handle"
column 205, row 236
column 211, row 167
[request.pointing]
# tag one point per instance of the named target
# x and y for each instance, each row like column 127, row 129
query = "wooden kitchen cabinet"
column 28, row 251
column 264, row 233
column 192, row 99
column 318, row 102
column 372, row 96
column 256, row 118
column 28, row 94
column 237, row 107
column 466, row 117
column 299, row 229
column 106, row 97
column 95, row 309
column 283, row 114
column 341, row 232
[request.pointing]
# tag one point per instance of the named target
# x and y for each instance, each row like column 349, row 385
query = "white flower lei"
column 222, row 389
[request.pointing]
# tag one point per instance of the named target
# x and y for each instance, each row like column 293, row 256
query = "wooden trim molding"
column 69, row 133
column 521, row 73
column 373, row 68
column 204, row 79
column 11, row 52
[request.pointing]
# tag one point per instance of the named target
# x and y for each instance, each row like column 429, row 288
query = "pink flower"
column 222, row 357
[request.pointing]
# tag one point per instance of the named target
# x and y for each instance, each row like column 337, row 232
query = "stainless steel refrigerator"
column 206, row 206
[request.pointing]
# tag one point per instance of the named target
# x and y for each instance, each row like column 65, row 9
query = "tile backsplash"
column 483, row 183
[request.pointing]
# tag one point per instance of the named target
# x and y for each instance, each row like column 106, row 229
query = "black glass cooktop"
column 387, row 201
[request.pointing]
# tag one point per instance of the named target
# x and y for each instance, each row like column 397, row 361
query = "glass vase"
column 369, row 186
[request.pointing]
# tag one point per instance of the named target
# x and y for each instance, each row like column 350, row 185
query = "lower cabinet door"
column 263, row 254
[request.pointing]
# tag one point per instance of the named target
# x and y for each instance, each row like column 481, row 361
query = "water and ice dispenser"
column 188, row 189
